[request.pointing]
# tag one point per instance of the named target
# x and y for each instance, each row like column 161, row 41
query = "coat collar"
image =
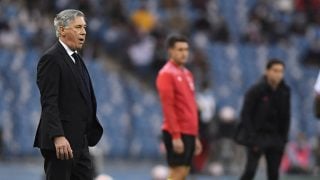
column 68, row 61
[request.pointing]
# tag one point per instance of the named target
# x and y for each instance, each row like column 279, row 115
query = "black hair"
column 173, row 39
column 273, row 62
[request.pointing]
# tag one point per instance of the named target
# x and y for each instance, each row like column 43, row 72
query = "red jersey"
column 177, row 94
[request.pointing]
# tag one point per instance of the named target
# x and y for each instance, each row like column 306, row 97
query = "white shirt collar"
column 69, row 51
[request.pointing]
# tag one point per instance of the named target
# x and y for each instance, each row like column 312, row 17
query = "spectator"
column 252, row 33
column 299, row 24
column 309, row 7
column 200, row 67
column 143, row 20
column 159, row 56
column 141, row 54
column 286, row 6
column 226, row 149
column 297, row 159
column 200, row 5
column 177, row 22
column 312, row 56
column 206, row 105
column 114, row 9
column 220, row 31
column 316, row 153
column 169, row 4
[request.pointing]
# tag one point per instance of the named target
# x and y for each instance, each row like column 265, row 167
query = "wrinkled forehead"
column 78, row 20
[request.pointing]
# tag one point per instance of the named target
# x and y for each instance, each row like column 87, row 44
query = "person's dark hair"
column 173, row 39
column 273, row 62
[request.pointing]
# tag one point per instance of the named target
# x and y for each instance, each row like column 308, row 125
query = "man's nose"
column 83, row 31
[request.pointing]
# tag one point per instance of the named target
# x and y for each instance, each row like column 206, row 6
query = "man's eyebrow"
column 80, row 25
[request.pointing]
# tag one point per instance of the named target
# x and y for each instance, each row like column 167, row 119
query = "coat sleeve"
column 248, row 110
column 48, row 80
column 166, row 92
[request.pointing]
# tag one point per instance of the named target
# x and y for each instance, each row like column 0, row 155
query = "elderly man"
column 68, row 123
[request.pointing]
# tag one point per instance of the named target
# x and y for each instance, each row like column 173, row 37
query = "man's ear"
column 61, row 31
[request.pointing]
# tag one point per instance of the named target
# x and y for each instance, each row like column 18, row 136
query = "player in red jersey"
column 177, row 94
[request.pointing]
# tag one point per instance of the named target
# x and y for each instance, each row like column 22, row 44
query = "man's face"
column 179, row 52
column 275, row 73
column 74, row 34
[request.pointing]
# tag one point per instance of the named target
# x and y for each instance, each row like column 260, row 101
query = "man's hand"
column 63, row 149
column 178, row 146
column 198, row 149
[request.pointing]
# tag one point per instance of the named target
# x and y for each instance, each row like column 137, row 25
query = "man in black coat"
column 265, row 121
column 68, row 123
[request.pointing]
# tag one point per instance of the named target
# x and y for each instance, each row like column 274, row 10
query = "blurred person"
column 115, row 10
column 68, row 123
column 206, row 103
column 226, row 149
column 317, row 97
column 309, row 7
column 143, row 19
column 252, row 32
column 316, row 152
column 177, row 22
column 220, row 30
column 265, row 27
column 286, row 6
column 177, row 95
column 265, row 121
column 299, row 24
column 200, row 67
column 199, row 5
column 159, row 55
column 297, row 159
column 170, row 5
column 10, row 38
column 226, row 122
column 312, row 55
column 207, row 107
column 97, row 157
column 141, row 53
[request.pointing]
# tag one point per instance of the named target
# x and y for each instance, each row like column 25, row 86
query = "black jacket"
column 265, row 116
column 68, row 107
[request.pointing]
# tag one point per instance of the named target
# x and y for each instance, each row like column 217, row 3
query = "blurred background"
column 231, row 40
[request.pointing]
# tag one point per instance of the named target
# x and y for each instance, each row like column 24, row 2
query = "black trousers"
column 78, row 168
column 273, row 157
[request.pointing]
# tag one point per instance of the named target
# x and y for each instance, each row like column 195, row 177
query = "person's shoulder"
column 260, row 84
column 53, row 50
column 168, row 68
column 188, row 71
column 257, row 87
column 52, row 53
column 285, row 87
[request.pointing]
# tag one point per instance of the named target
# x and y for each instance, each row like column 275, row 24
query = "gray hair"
column 64, row 17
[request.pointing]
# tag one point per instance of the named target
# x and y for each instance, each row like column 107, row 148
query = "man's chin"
column 79, row 47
